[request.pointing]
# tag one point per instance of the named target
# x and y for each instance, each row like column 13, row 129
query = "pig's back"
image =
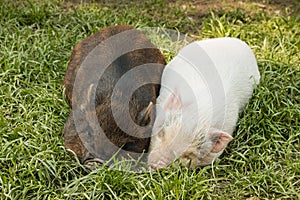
column 237, row 67
column 219, row 76
column 235, row 64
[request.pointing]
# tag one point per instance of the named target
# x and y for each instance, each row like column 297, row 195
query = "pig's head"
column 178, row 133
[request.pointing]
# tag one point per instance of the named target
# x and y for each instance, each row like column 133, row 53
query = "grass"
column 36, row 40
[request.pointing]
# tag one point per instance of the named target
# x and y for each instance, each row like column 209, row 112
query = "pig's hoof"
column 93, row 163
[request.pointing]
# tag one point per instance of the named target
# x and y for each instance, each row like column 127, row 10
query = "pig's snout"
column 156, row 166
column 158, row 161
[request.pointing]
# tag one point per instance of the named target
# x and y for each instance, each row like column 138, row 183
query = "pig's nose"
column 157, row 165
column 159, row 159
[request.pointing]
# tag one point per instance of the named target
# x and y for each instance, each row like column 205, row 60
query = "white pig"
column 204, row 88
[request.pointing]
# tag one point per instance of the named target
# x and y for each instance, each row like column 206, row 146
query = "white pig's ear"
column 173, row 102
column 219, row 140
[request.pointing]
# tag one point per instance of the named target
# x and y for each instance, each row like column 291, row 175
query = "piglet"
column 204, row 88
column 111, row 81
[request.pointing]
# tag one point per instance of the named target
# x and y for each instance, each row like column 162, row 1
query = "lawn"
column 36, row 41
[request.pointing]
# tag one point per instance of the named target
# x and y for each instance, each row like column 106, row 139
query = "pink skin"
column 177, row 140
column 189, row 150
column 192, row 123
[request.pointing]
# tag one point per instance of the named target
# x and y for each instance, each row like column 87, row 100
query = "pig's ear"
column 173, row 102
column 219, row 140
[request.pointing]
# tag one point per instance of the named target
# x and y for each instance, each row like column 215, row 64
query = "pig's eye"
column 161, row 134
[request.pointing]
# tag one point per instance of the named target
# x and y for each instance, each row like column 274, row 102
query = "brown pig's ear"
column 145, row 115
column 219, row 139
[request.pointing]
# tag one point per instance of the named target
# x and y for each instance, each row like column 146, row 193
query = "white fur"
column 216, row 82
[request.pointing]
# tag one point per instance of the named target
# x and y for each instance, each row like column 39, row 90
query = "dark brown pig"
column 80, row 138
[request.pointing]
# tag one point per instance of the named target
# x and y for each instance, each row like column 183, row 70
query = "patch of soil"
column 198, row 9
column 202, row 8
